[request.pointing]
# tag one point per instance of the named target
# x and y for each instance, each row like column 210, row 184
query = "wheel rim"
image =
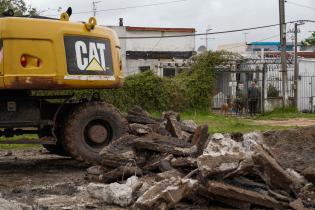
column 97, row 134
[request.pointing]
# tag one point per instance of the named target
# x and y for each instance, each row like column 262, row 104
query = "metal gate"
column 234, row 80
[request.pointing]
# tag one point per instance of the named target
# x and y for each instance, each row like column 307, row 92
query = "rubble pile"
column 168, row 163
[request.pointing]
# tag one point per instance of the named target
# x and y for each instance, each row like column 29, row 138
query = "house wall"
column 306, row 85
column 132, row 49
column 158, row 44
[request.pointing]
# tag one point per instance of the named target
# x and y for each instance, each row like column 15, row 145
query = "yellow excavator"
column 40, row 53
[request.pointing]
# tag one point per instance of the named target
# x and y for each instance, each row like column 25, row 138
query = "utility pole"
column 283, row 41
column 94, row 7
column 296, row 65
column 245, row 36
column 207, row 30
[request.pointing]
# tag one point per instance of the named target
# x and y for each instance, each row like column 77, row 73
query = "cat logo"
column 88, row 56
column 92, row 59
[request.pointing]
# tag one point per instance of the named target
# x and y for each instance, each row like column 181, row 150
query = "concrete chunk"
column 235, row 193
column 165, row 194
column 271, row 172
column 115, row 193
column 217, row 165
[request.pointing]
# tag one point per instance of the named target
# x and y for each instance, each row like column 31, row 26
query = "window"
column 169, row 72
column 144, row 68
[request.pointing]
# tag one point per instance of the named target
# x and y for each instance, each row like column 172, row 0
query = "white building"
column 306, row 85
column 166, row 56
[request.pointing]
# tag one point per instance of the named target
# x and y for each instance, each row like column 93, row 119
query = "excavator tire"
column 91, row 127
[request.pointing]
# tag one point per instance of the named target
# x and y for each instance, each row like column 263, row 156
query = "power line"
column 300, row 5
column 213, row 33
column 130, row 7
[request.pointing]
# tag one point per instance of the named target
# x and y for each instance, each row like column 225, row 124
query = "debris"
column 120, row 173
column 189, row 126
column 139, row 129
column 186, row 162
column 95, row 170
column 13, row 205
column 297, row 204
column 271, row 172
column 165, row 194
column 173, row 157
column 8, row 154
column 217, row 165
column 164, row 144
column 171, row 114
column 165, row 164
column 309, row 174
column 53, row 202
column 138, row 115
column 227, row 191
column 200, row 138
column 169, row 174
column 220, row 146
column 174, row 127
column 115, row 193
column 120, row 152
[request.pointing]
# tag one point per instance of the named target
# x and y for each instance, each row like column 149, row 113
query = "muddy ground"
column 36, row 178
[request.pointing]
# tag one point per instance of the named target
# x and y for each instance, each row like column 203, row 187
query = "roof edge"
column 187, row 30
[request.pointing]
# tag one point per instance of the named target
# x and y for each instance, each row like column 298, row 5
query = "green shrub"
column 272, row 91
column 191, row 90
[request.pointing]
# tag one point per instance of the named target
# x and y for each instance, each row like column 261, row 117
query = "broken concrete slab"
column 120, row 173
column 218, row 165
column 223, row 190
column 119, row 152
column 189, row 126
column 140, row 129
column 174, row 127
column 13, row 205
column 271, row 172
column 309, row 174
column 153, row 161
column 95, row 170
column 169, row 174
column 165, row 194
column 56, row 202
column 165, row 144
column 138, row 115
column 171, row 114
column 200, row 138
column 220, row 145
column 297, row 204
column 115, row 193
column 185, row 162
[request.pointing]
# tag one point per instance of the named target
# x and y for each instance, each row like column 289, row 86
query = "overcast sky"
column 200, row 14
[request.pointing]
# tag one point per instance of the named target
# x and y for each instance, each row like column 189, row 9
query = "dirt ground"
column 299, row 122
column 293, row 148
column 35, row 177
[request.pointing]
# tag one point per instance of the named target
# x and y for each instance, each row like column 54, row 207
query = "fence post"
column 263, row 87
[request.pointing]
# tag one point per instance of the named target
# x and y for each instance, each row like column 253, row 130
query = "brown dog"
column 226, row 108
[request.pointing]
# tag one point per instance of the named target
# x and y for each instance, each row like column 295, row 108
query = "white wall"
column 159, row 44
column 121, row 32
column 306, row 85
column 131, row 66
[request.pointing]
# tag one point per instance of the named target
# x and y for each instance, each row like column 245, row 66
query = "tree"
column 18, row 6
column 310, row 41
